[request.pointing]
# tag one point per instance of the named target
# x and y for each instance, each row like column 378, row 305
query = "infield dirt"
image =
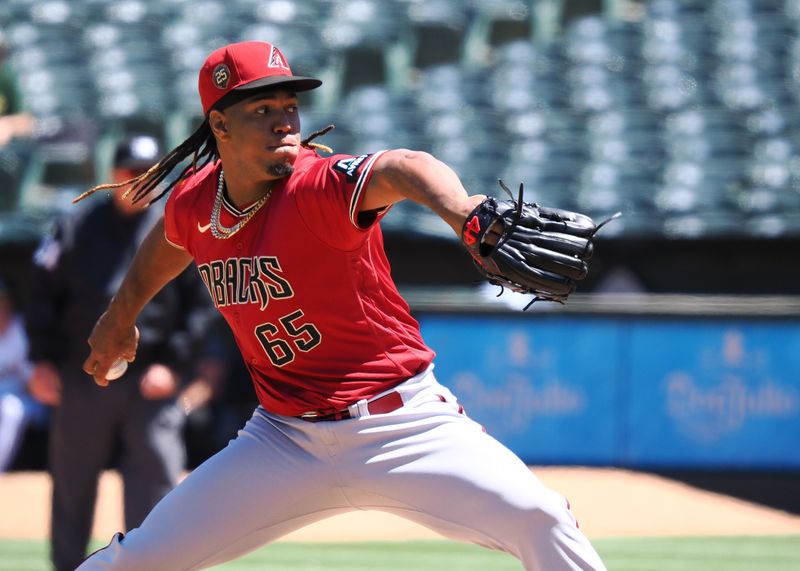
column 607, row 502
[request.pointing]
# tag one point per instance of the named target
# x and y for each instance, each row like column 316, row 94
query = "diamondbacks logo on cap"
column 221, row 76
column 276, row 59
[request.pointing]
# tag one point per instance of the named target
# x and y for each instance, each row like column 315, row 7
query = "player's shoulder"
column 310, row 172
column 339, row 165
column 197, row 179
column 307, row 160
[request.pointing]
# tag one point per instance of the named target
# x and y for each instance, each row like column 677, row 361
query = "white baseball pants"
column 426, row 461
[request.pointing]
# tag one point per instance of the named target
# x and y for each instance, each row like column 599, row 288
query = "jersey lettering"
column 218, row 292
column 257, row 288
column 277, row 349
column 230, row 281
column 281, row 343
column 241, row 281
column 278, row 287
column 245, row 267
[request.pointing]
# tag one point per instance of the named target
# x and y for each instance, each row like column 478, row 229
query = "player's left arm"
column 528, row 248
column 418, row 176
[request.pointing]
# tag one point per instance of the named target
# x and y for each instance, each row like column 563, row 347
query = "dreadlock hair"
column 201, row 146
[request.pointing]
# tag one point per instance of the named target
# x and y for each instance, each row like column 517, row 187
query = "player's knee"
column 550, row 511
column 551, row 539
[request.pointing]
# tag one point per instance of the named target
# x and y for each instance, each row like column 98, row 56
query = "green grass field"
column 775, row 553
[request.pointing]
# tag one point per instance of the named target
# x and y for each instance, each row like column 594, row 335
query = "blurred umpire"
column 136, row 426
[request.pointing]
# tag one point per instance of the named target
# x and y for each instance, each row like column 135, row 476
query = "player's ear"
column 216, row 120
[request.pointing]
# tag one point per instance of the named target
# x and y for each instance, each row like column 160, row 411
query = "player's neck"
column 242, row 192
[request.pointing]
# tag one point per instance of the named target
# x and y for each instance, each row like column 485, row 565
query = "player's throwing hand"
column 109, row 342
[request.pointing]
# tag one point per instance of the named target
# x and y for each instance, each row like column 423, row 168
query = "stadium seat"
column 774, row 225
column 436, row 32
column 687, row 118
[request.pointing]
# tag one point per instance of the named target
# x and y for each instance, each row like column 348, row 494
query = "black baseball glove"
column 529, row 248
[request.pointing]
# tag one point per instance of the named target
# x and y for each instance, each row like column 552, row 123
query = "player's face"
column 263, row 132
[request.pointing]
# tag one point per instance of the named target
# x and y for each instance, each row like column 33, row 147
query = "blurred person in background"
column 17, row 408
column 139, row 424
column 210, row 428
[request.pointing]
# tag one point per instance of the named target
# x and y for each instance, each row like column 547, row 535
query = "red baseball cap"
column 244, row 66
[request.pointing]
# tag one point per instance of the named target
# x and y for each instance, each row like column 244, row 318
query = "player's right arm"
column 156, row 263
column 418, row 176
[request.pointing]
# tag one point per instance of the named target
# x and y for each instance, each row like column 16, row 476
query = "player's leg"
column 154, row 455
column 431, row 464
column 80, row 444
column 267, row 482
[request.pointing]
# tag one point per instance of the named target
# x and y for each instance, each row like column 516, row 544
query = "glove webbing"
column 517, row 215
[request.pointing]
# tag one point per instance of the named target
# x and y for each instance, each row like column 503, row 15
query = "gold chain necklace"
column 223, row 232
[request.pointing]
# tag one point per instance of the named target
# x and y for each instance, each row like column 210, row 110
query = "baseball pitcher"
column 351, row 415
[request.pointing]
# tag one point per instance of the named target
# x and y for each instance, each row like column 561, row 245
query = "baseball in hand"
column 117, row 369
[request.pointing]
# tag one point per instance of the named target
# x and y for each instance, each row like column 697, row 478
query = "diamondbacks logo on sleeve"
column 350, row 166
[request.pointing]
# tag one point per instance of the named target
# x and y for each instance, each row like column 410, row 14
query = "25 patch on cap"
column 221, row 76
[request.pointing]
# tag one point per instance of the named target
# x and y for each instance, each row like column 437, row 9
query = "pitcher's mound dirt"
column 607, row 502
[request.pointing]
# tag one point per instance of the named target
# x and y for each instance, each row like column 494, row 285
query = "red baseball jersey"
column 305, row 289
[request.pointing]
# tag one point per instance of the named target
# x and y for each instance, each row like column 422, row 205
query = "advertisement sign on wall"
column 715, row 393
column 536, row 385
column 627, row 391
